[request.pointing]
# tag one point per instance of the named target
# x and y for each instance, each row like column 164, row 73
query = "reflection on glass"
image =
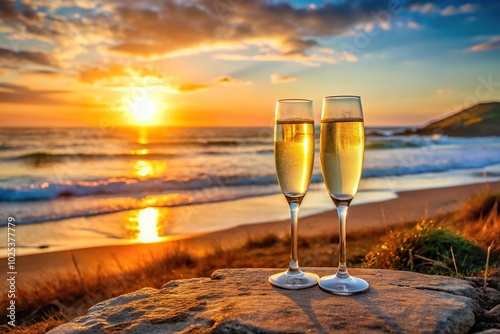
column 145, row 224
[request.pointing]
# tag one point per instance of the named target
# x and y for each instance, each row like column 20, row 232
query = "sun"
column 144, row 111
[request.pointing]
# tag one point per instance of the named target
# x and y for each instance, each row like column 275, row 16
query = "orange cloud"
column 494, row 43
column 277, row 78
column 224, row 80
column 17, row 94
column 444, row 91
column 305, row 59
column 114, row 73
column 168, row 28
column 190, row 87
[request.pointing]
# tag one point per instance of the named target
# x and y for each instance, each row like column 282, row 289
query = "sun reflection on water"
column 146, row 225
column 142, row 137
column 143, row 168
column 143, row 151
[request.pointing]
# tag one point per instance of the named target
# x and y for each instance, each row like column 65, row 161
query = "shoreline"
column 122, row 228
column 408, row 206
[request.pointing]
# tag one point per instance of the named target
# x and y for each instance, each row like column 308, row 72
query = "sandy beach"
column 408, row 206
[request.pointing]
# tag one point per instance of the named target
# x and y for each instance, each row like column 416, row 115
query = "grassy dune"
column 454, row 244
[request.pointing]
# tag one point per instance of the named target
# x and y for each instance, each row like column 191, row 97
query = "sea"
column 67, row 188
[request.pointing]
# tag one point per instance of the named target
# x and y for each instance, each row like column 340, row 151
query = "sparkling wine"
column 341, row 153
column 294, row 155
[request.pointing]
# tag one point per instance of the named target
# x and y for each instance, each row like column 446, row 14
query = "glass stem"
column 342, row 270
column 294, row 261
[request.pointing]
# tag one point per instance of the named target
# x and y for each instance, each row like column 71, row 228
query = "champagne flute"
column 342, row 145
column 294, row 158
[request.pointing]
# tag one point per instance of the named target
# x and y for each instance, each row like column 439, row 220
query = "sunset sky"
column 226, row 62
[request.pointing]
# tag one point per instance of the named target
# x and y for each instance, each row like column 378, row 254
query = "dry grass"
column 428, row 248
column 469, row 231
column 453, row 244
column 479, row 220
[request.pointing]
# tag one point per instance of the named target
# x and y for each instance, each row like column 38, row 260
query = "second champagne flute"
column 294, row 158
column 342, row 147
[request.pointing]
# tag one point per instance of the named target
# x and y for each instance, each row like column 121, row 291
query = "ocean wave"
column 40, row 158
column 131, row 186
column 384, row 132
column 7, row 147
column 423, row 141
column 48, row 157
column 86, row 207
column 392, row 144
column 203, row 142
column 123, row 186
column 402, row 169
column 269, row 151
column 226, row 147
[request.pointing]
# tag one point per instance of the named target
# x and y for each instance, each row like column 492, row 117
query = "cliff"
column 480, row 120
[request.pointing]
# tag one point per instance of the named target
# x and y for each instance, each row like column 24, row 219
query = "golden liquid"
column 294, row 156
column 342, row 146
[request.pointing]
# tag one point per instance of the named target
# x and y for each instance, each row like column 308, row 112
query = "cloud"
column 463, row 9
column 413, row 25
column 445, row 91
column 11, row 93
column 258, row 30
column 12, row 87
column 224, row 80
column 425, row 8
column 244, row 30
column 117, row 74
column 42, row 72
column 190, row 87
column 146, row 50
column 4, row 29
column 7, row 10
column 493, row 43
column 278, row 78
column 118, row 77
column 308, row 60
column 164, row 31
column 23, row 57
column 169, row 28
column 18, row 94
column 430, row 8
column 26, row 23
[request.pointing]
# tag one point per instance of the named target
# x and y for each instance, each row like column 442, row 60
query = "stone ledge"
column 243, row 301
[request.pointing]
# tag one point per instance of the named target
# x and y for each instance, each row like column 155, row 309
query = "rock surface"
column 243, row 301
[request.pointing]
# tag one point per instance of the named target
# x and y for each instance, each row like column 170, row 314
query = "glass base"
column 294, row 281
column 349, row 285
